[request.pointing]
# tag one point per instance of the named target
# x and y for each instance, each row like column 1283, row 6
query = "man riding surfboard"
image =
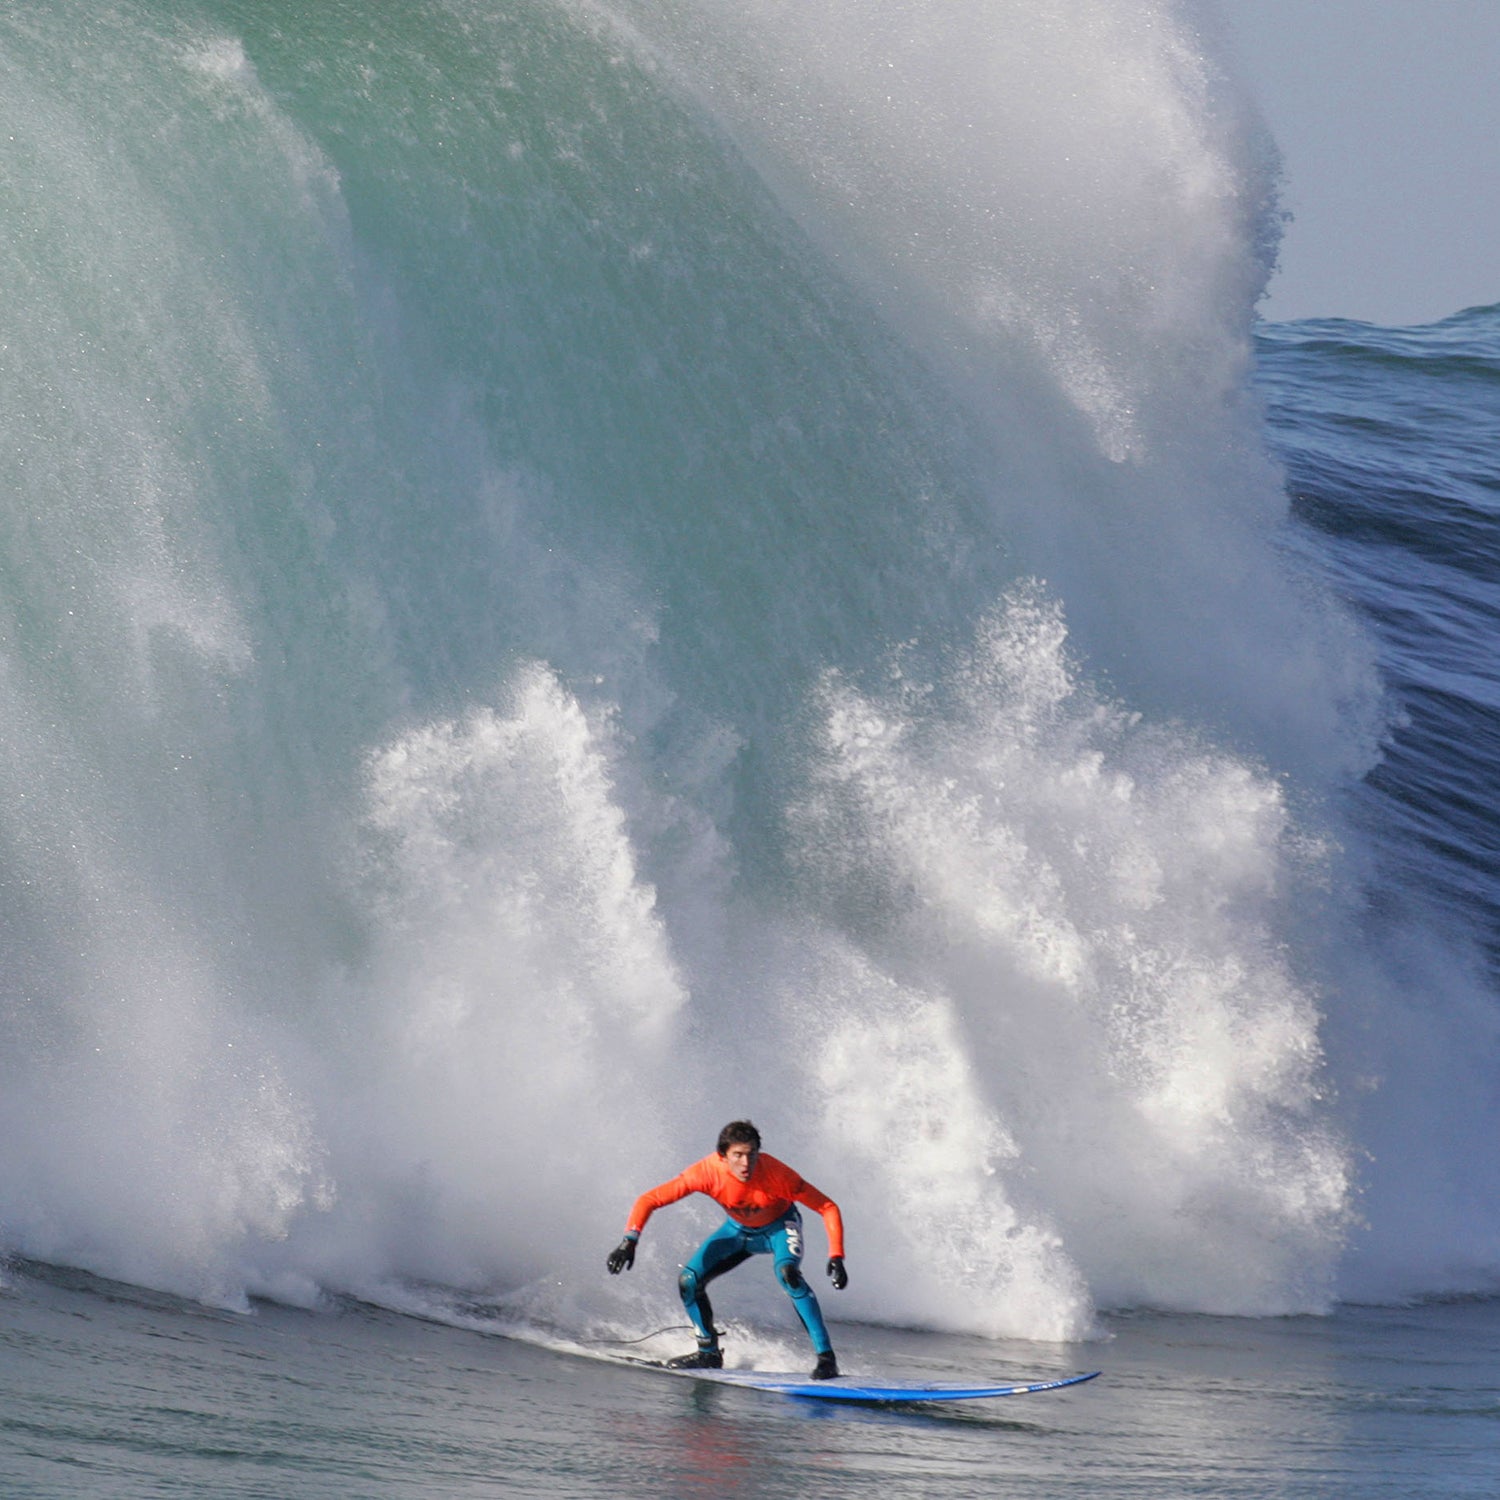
column 760, row 1194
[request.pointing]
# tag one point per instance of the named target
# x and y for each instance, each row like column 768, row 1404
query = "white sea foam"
column 1074, row 1041
column 1068, row 210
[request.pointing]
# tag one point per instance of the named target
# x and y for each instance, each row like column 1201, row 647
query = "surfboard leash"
column 622, row 1343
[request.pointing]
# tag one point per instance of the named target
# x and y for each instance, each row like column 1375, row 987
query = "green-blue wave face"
column 520, row 634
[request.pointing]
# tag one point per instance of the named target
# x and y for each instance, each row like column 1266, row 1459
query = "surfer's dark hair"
column 738, row 1133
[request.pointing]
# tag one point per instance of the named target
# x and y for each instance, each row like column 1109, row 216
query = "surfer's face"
column 740, row 1160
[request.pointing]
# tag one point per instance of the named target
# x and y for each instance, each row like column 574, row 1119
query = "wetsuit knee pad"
column 688, row 1285
column 791, row 1276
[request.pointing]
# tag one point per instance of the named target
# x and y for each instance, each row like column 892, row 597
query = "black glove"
column 622, row 1257
column 836, row 1272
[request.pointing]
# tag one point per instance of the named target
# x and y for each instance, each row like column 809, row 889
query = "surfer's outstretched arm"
column 622, row 1257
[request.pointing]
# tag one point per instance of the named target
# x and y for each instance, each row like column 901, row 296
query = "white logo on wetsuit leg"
column 794, row 1239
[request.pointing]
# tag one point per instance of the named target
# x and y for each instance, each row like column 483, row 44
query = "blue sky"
column 1388, row 117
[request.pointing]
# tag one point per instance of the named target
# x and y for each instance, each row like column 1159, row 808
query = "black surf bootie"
column 704, row 1357
column 827, row 1367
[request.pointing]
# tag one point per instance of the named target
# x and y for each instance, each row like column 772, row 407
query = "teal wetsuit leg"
column 722, row 1251
column 786, row 1246
column 730, row 1245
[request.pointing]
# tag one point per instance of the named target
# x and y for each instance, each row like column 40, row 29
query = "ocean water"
column 572, row 569
column 109, row 1391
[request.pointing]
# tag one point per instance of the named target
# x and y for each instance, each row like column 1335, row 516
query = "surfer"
column 760, row 1194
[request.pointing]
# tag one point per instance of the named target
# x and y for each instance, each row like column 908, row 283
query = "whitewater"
column 570, row 571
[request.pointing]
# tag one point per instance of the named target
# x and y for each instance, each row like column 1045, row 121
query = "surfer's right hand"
column 622, row 1257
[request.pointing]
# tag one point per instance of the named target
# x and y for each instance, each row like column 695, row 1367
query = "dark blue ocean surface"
column 1391, row 441
column 108, row 1392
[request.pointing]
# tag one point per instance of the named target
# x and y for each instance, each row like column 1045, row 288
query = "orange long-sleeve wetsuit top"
column 772, row 1189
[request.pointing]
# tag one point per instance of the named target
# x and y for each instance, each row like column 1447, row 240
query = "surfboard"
column 842, row 1388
